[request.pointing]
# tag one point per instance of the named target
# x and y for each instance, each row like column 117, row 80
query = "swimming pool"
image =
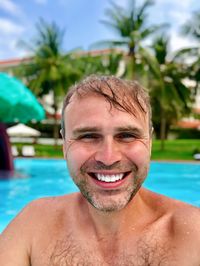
column 49, row 177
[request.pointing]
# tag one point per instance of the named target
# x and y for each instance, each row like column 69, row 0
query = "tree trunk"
column 56, row 126
column 131, row 64
column 162, row 130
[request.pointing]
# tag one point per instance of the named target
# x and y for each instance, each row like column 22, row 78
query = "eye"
column 126, row 137
column 89, row 137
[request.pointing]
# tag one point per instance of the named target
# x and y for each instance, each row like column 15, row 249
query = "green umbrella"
column 17, row 103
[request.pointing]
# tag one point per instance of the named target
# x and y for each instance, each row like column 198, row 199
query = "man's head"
column 107, row 139
column 121, row 94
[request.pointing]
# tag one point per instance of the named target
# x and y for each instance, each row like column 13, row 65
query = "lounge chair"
column 196, row 156
column 14, row 151
column 28, row 151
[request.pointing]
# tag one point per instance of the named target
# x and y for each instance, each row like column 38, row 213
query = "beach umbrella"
column 17, row 102
column 22, row 130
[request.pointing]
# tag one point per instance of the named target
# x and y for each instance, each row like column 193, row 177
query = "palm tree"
column 192, row 30
column 106, row 64
column 50, row 69
column 170, row 97
column 131, row 26
column 192, row 27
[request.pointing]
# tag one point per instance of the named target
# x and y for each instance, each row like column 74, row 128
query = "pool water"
column 35, row 178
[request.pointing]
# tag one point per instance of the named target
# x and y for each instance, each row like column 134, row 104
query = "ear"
column 64, row 144
column 64, row 150
column 150, row 146
column 150, row 141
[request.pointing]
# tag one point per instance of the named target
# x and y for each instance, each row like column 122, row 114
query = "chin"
column 111, row 201
column 108, row 208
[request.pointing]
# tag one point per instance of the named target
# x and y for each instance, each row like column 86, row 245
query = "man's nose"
column 108, row 152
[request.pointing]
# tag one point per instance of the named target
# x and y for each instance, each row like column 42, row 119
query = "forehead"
column 95, row 109
column 121, row 95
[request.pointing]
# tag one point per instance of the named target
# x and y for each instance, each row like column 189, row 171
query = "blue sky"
column 81, row 21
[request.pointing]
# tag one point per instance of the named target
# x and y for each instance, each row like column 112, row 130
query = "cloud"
column 180, row 16
column 10, row 32
column 15, row 49
column 173, row 11
column 10, row 7
column 178, row 42
column 9, row 43
column 10, row 49
column 10, row 27
column 177, row 3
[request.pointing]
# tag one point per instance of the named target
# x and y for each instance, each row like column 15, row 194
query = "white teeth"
column 109, row 178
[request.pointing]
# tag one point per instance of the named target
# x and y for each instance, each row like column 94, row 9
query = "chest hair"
column 71, row 252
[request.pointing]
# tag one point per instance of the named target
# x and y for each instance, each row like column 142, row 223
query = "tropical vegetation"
column 50, row 70
column 171, row 98
column 132, row 29
column 163, row 73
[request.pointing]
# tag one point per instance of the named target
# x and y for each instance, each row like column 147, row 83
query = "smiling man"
column 107, row 135
column 107, row 141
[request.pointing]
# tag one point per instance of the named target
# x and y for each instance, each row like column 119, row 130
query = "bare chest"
column 70, row 251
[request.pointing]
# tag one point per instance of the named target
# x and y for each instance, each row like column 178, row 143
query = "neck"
column 118, row 222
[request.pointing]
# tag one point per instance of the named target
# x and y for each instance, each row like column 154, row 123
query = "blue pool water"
column 48, row 177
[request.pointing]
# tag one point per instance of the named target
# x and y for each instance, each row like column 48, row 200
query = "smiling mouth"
column 109, row 178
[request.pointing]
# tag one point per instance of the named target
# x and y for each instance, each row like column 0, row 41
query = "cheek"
column 76, row 157
column 139, row 153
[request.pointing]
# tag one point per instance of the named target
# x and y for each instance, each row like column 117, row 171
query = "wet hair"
column 124, row 95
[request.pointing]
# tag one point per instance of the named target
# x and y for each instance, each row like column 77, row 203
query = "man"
column 107, row 136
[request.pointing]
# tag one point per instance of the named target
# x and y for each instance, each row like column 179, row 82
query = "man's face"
column 107, row 151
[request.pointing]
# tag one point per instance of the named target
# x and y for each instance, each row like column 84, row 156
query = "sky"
column 81, row 21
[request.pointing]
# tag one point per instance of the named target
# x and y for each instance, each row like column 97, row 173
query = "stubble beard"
column 110, row 200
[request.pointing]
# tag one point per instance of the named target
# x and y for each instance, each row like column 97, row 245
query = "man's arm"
column 15, row 242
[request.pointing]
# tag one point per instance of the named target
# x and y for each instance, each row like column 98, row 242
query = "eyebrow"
column 81, row 130
column 130, row 129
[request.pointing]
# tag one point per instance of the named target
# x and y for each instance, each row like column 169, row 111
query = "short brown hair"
column 121, row 94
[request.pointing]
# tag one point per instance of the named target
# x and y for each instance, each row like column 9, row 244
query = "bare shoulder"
column 52, row 204
column 33, row 223
column 179, row 210
column 184, row 229
column 187, row 217
column 41, row 211
column 184, row 217
column 50, row 207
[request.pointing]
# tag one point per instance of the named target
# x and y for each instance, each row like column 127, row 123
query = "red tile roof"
column 189, row 124
column 14, row 62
